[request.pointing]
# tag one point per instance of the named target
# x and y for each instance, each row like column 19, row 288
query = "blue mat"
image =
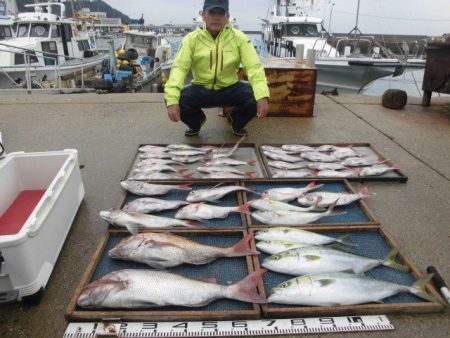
column 354, row 212
column 370, row 244
column 232, row 221
column 225, row 270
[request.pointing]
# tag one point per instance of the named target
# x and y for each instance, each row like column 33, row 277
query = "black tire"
column 102, row 84
column 394, row 99
column 132, row 54
column 34, row 299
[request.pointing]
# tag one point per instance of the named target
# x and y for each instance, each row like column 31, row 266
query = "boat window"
column 39, row 30
column 5, row 32
column 19, row 59
column 51, row 48
column 80, row 45
column 22, row 30
column 86, row 45
column 55, row 33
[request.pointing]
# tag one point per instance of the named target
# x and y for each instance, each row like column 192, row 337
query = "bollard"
column 299, row 52
column 311, row 58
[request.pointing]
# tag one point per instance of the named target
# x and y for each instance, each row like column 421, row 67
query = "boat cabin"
column 6, row 31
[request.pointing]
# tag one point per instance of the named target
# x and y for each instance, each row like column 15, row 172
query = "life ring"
column 295, row 30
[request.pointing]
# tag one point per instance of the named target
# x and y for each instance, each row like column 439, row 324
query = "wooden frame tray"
column 365, row 148
column 245, row 152
column 357, row 213
column 226, row 270
column 234, row 220
column 373, row 242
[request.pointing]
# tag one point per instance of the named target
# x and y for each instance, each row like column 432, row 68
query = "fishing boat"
column 46, row 47
column 347, row 64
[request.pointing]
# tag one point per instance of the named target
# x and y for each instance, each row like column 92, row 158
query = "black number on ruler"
column 271, row 322
column 94, row 329
column 241, row 324
column 183, row 325
column 209, row 325
column 326, row 321
column 355, row 320
column 149, row 326
column 298, row 322
column 123, row 327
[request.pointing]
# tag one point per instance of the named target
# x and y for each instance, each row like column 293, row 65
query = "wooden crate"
column 236, row 269
column 357, row 213
column 380, row 242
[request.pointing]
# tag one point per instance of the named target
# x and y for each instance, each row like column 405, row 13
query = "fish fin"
column 210, row 280
column 251, row 162
column 133, row 228
column 241, row 248
column 195, row 224
column 326, row 281
column 418, row 289
column 313, row 185
column 245, row 290
column 339, row 248
column 181, row 171
column 156, row 265
column 185, row 187
column 188, row 175
column 245, row 209
column 218, row 185
column 312, row 257
column 343, row 240
column 365, row 192
column 396, row 166
column 389, row 260
column 250, row 174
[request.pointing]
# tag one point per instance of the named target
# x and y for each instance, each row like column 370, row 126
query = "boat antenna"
column 355, row 29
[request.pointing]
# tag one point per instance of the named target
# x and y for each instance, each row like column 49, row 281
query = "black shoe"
column 236, row 131
column 193, row 132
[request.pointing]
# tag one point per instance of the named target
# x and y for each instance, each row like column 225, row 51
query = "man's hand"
column 174, row 112
column 262, row 107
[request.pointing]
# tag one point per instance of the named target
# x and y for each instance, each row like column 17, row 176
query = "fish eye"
column 276, row 258
column 284, row 285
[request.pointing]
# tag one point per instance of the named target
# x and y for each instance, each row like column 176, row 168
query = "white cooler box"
column 28, row 255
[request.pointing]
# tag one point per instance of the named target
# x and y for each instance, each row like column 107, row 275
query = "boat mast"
column 355, row 29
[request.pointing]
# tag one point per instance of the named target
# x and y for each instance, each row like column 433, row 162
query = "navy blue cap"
column 210, row 4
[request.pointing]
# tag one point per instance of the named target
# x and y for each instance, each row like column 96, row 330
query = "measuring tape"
column 234, row 328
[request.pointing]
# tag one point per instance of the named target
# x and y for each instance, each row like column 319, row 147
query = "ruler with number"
column 233, row 328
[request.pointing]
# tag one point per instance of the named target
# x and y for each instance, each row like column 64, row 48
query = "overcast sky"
column 418, row 17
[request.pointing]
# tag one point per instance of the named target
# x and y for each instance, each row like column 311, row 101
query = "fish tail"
column 251, row 162
column 188, row 175
column 396, row 166
column 241, row 248
column 185, row 187
column 181, row 171
column 245, row 290
column 194, row 224
column 250, row 174
column 344, row 240
column 133, row 229
column 390, row 261
column 244, row 209
column 365, row 192
column 418, row 289
column 313, row 185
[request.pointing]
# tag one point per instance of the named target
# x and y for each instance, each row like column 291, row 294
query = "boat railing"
column 28, row 54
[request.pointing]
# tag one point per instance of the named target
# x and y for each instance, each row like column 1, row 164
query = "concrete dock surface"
column 106, row 130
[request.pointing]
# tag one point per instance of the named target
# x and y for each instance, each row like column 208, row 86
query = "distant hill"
column 97, row 6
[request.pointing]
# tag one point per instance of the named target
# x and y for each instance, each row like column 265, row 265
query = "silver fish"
column 287, row 165
column 326, row 148
column 154, row 175
column 214, row 194
column 318, row 157
column 282, row 157
column 292, row 217
column 225, row 175
column 344, row 152
column 270, row 205
column 339, row 288
column 312, row 260
column 152, row 149
column 162, row 155
column 288, row 194
column 148, row 205
column 299, row 236
column 155, row 161
column 274, row 247
column 324, row 199
column 300, row 173
column 161, row 250
column 202, row 211
column 133, row 220
column 228, row 161
column 190, row 159
column 377, row 170
column 188, row 147
column 222, row 169
column 362, row 161
column 152, row 288
column 148, row 189
column 297, row 148
column 277, row 150
column 187, row 152
column 157, row 167
column 325, row 166
column 336, row 173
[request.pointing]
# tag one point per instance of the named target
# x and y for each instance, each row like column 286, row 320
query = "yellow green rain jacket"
column 214, row 63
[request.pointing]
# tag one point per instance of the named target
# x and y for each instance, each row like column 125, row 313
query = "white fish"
column 274, row 247
column 288, row 194
column 187, row 152
column 188, row 147
column 323, row 199
column 297, row 148
column 190, row 159
column 228, row 161
column 214, row 194
column 154, row 175
column 222, row 169
column 162, row 250
column 162, row 155
column 202, row 211
column 362, row 161
column 152, row 149
column 157, row 167
column 377, row 170
column 269, row 205
column 335, row 173
column 276, row 150
column 300, row 173
column 148, row 205
column 292, row 217
column 312, row 260
column 152, row 288
column 326, row 148
column 225, row 152
column 226, row 175
column 154, row 161
column 299, row 236
column 339, row 288
column 148, row 189
column 133, row 220
column 325, row 166
column 282, row 157
column 287, row 165
column 318, row 157
column 344, row 152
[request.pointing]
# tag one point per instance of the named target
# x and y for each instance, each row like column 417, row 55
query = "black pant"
column 239, row 95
